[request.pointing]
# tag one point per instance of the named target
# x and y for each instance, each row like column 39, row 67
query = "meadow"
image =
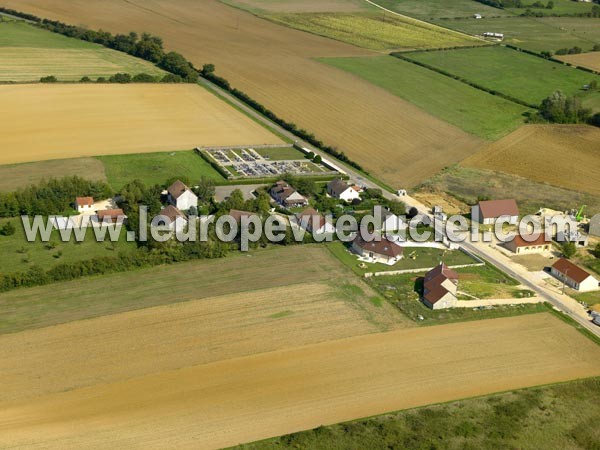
column 545, row 34
column 561, row 7
column 457, row 103
column 297, row 6
column 156, row 168
column 519, row 75
column 556, row 416
column 117, row 119
column 276, row 66
column 437, row 9
column 468, row 184
column 134, row 399
column 570, row 156
column 19, row 255
column 16, row 176
column 375, row 31
column 28, row 53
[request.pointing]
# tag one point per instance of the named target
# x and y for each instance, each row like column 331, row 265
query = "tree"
column 171, row 78
column 208, row 69
column 149, row 48
column 206, row 189
column 317, row 159
column 397, row 208
column 143, row 78
column 596, row 48
column 48, row 79
column 558, row 108
column 596, row 251
column 85, row 79
column 122, row 78
column 235, row 200
column 8, row 229
column 175, row 63
column 568, row 249
column 263, row 203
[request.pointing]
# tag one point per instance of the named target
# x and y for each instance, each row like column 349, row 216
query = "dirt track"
column 249, row 398
column 390, row 137
column 39, row 122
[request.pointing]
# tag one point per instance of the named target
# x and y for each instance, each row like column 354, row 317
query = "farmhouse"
column 238, row 214
column 378, row 251
column 341, row 190
column 440, row 287
column 181, row 196
column 487, row 212
column 111, row 216
column 84, row 204
column 177, row 219
column 312, row 221
column 530, row 243
column 287, row 196
column 573, row 276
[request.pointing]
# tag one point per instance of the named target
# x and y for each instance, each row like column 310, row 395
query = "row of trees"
column 559, row 108
column 53, row 196
column 145, row 46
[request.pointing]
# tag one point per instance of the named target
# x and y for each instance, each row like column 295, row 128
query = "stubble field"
column 392, row 138
column 590, row 60
column 565, row 156
column 250, row 398
column 39, row 122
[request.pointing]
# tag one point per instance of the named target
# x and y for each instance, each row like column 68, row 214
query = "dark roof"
column 492, row 209
column 310, row 216
column 433, row 291
column 530, row 240
column 570, row 270
column 177, row 188
column 337, row 185
column 171, row 212
column 434, row 294
column 84, row 201
column 442, row 269
column 238, row 214
column 381, row 246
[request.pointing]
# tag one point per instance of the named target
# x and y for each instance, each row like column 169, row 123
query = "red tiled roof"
column 381, row 247
column 84, row 201
column 570, row 270
column 177, row 188
column 433, row 291
column 531, row 240
column 492, row 209
column 171, row 212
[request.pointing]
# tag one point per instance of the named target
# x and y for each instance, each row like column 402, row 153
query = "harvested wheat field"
column 254, row 397
column 39, row 122
column 590, row 60
column 562, row 155
column 390, row 137
column 300, row 6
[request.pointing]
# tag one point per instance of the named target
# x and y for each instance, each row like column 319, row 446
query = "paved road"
column 564, row 303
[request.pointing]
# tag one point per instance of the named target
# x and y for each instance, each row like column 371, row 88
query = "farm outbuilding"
column 488, row 211
column 574, row 276
column 523, row 244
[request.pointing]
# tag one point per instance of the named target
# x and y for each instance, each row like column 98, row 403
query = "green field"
column 28, row 53
column 16, row 176
column 457, row 103
column 562, row 416
column 436, row 9
column 156, row 168
column 547, row 34
column 280, row 154
column 561, row 7
column 374, row 31
column 468, row 184
column 20, row 255
column 519, row 75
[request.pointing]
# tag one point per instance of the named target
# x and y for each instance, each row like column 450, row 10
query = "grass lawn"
column 28, row 53
column 156, row 168
column 374, row 30
column 280, row 154
column 467, row 184
column 523, row 76
column 19, row 255
column 448, row 99
column 15, row 176
column 424, row 258
column 547, row 34
column 557, row 416
column 404, row 292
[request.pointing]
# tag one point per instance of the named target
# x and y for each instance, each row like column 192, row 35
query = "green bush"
column 48, row 79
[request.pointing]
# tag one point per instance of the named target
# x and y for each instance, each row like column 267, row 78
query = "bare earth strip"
column 389, row 136
column 250, row 398
column 39, row 122
column 562, row 155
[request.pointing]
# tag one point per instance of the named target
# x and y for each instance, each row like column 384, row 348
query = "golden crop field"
column 244, row 399
column 299, row 5
column 390, row 137
column 39, row 122
column 561, row 155
column 590, row 60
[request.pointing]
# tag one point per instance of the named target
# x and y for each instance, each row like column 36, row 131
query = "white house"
column 84, row 204
column 287, row 196
column 313, row 222
column 378, row 251
column 573, row 276
column 487, row 212
column 181, row 196
column 440, row 287
column 177, row 220
column 343, row 191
